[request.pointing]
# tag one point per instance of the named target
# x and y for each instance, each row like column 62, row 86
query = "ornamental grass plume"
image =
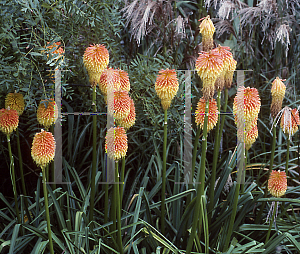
column 43, row 148
column 9, row 120
column 289, row 121
column 120, row 106
column 46, row 113
column 166, row 86
column 212, row 114
column 246, row 106
column 207, row 31
column 116, row 143
column 229, row 73
column 277, row 183
column 128, row 121
column 209, row 66
column 226, row 56
column 15, row 101
column 278, row 92
column 110, row 77
column 95, row 60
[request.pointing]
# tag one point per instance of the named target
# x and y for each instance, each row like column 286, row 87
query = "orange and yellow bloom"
column 277, row 183
column 119, row 107
column 43, row 148
column 212, row 114
column 207, row 31
column 46, row 113
column 289, row 121
column 116, row 143
column 9, row 120
column 128, row 121
column 15, row 101
column 278, row 92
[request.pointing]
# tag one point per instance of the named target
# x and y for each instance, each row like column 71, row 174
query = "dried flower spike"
column 289, row 121
column 212, row 114
column 15, row 101
column 116, row 143
column 43, row 148
column 9, row 120
column 278, row 92
column 207, row 31
column 46, row 113
column 209, row 66
column 166, row 86
column 277, row 183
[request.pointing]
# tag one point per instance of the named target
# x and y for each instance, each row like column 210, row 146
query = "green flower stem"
column 234, row 209
column 52, row 163
column 257, row 220
column 47, row 210
column 200, row 183
column 13, row 178
column 163, row 186
column 118, row 207
column 122, row 180
column 287, row 157
column 113, row 211
column 271, row 223
column 224, row 111
column 215, row 160
column 93, row 176
column 22, row 175
column 105, row 200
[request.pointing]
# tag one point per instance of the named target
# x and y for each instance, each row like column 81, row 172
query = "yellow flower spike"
column 212, row 114
column 277, row 183
column 289, row 121
column 278, row 92
column 209, row 66
column 46, row 113
column 9, row 120
column 129, row 121
column 166, row 86
column 229, row 73
column 116, row 143
column 207, row 31
column 249, row 135
column 120, row 106
column 15, row 101
column 43, row 148
column 95, row 60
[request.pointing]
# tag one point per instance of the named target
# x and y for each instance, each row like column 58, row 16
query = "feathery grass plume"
column 120, row 107
column 225, row 8
column 166, row 86
column 46, row 113
column 212, row 114
column 229, row 73
column 277, row 183
column 207, row 31
column 95, row 60
column 9, row 120
column 289, row 121
column 114, row 80
column 283, row 36
column 128, row 121
column 43, row 148
column 226, row 58
column 246, row 105
column 116, row 143
column 278, row 92
column 209, row 65
column 15, row 101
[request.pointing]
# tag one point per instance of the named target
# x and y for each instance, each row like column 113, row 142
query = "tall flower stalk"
column 42, row 152
column 166, row 87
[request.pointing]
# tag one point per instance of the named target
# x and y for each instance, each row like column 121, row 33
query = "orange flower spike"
column 277, row 183
column 116, row 143
column 95, row 60
column 166, row 86
column 212, row 114
column 290, row 121
column 9, row 120
column 43, row 148
column 250, row 136
column 15, row 101
column 229, row 73
column 46, row 113
column 278, row 92
column 120, row 106
column 209, row 66
column 207, row 31
column 110, row 77
column 124, row 80
column 246, row 105
column 129, row 121
column 58, row 48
